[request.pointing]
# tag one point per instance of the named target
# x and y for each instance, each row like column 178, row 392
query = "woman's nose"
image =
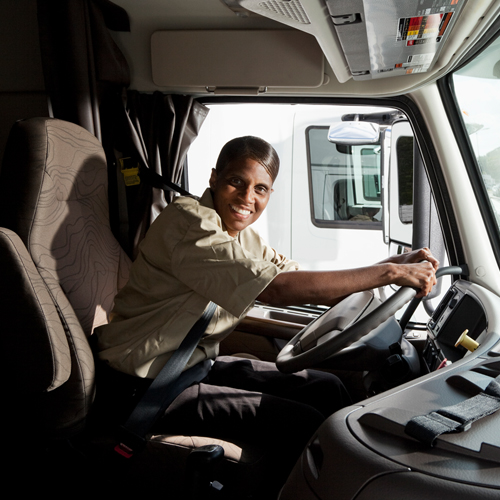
column 247, row 194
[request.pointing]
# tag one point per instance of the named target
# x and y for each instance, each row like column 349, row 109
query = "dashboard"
column 458, row 311
column 371, row 437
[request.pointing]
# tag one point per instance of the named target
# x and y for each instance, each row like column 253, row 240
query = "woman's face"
column 241, row 193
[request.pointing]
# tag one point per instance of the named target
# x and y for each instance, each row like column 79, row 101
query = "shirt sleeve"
column 283, row 263
column 218, row 267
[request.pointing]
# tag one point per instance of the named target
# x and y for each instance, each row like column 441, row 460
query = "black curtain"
column 86, row 77
column 81, row 62
column 160, row 128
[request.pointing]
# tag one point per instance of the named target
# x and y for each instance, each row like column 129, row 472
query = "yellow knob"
column 465, row 341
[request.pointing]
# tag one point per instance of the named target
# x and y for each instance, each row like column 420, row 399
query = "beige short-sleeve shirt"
column 186, row 260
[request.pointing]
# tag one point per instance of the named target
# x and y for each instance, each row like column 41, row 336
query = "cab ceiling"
column 345, row 31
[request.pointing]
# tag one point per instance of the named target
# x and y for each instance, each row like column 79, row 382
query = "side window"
column 477, row 91
column 345, row 182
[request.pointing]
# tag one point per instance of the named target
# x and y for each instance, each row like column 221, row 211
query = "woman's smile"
column 240, row 211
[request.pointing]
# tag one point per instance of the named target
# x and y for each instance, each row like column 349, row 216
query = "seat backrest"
column 53, row 195
column 53, row 192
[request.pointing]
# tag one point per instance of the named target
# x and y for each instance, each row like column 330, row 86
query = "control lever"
column 200, row 471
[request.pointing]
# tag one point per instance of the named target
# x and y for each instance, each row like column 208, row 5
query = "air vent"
column 292, row 9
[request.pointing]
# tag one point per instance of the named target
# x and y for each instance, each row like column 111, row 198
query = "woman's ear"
column 213, row 179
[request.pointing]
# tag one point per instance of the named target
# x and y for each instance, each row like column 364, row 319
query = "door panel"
column 264, row 332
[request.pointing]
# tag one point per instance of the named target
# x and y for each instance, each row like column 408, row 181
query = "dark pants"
column 251, row 401
column 244, row 400
column 243, row 389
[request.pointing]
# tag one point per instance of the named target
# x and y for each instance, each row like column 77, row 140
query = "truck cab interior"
column 100, row 104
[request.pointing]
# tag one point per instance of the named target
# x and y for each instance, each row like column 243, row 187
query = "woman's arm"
column 330, row 287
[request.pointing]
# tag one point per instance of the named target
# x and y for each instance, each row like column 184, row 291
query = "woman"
column 205, row 250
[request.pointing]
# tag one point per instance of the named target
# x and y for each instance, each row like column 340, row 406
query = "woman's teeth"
column 240, row 210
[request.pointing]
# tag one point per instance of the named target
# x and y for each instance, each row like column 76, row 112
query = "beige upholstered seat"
column 61, row 268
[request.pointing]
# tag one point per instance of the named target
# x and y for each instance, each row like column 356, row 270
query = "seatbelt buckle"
column 129, row 443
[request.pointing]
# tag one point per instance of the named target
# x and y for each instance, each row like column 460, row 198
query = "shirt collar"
column 207, row 201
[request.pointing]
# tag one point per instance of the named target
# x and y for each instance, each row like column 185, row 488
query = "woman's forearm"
column 329, row 287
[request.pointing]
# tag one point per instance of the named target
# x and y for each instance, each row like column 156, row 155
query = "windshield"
column 477, row 89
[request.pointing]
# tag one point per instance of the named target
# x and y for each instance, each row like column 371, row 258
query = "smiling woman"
column 199, row 251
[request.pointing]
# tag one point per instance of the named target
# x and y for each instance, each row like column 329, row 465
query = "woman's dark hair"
column 255, row 148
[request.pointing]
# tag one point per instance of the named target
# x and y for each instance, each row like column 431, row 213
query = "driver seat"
column 61, row 268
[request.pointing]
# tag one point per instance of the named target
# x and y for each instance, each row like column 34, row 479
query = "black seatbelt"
column 167, row 385
column 456, row 418
column 159, row 181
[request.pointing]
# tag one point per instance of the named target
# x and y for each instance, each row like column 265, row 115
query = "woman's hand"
column 416, row 269
column 418, row 275
column 414, row 257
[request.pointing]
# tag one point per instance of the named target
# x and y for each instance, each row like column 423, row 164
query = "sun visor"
column 219, row 60
column 382, row 39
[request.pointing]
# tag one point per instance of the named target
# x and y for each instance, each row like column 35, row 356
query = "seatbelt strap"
column 159, row 181
column 167, row 385
column 456, row 418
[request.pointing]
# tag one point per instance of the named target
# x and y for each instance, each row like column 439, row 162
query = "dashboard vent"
column 292, row 9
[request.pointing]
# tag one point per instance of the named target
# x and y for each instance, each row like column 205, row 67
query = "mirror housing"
column 354, row 133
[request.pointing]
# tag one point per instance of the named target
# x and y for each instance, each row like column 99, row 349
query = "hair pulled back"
column 249, row 147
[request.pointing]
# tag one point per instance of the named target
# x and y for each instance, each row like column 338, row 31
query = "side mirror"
column 354, row 133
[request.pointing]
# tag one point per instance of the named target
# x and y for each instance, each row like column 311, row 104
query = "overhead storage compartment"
column 370, row 39
column 383, row 39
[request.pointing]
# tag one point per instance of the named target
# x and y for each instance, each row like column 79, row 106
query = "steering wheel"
column 338, row 327
column 343, row 324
